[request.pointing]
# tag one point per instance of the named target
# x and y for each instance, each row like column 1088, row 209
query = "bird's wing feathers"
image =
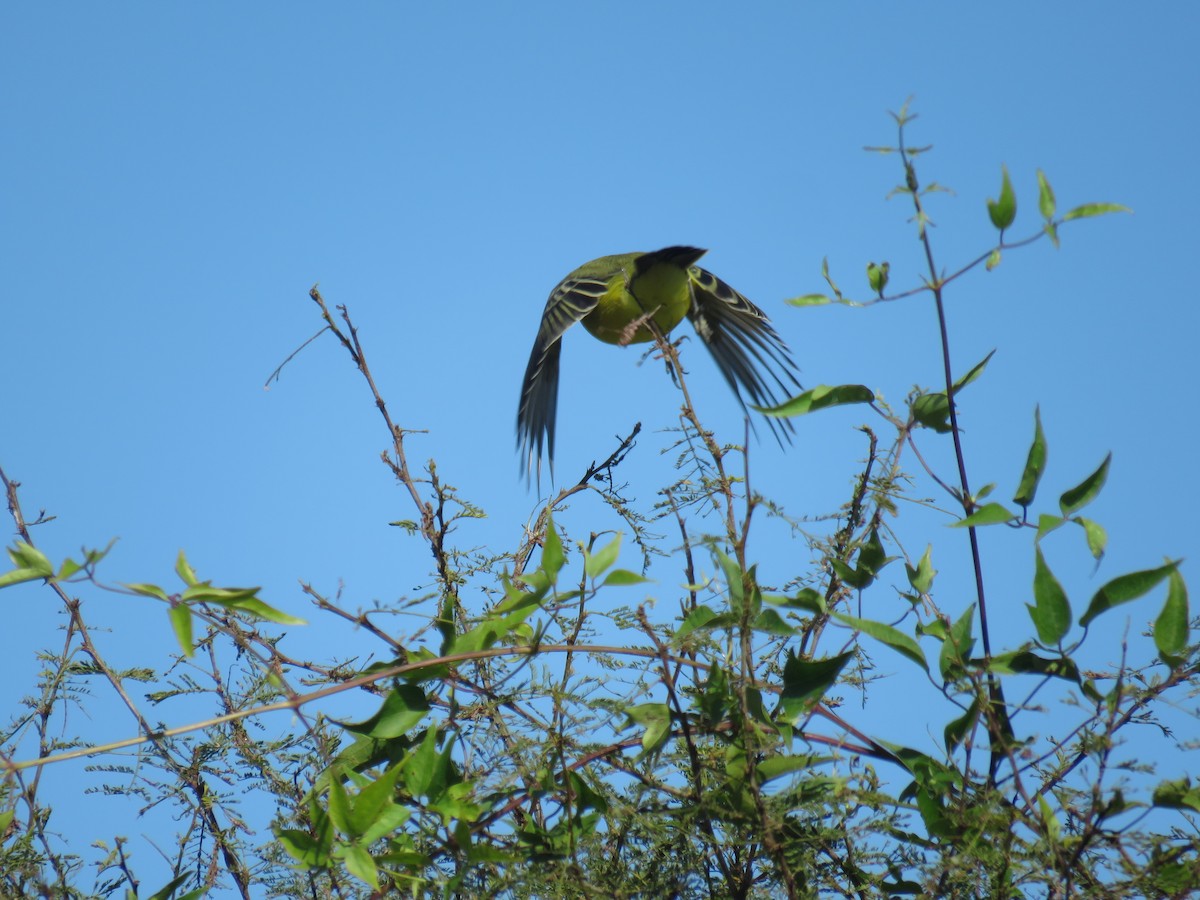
column 575, row 296
column 743, row 344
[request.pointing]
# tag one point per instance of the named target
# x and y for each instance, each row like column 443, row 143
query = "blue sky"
column 176, row 177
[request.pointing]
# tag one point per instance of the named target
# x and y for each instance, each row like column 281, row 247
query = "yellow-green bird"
column 608, row 295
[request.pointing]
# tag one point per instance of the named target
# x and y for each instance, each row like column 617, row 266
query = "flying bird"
column 611, row 294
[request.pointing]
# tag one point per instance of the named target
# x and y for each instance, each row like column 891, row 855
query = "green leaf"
column 822, row 396
column 921, row 577
column 988, row 514
column 806, row 681
column 993, row 260
column 1085, row 492
column 1052, row 613
column 1024, row 662
column 733, row 578
column 770, row 622
column 401, row 711
column 1052, row 230
column 552, row 551
column 339, row 805
column 1035, row 463
column 148, row 590
column 1171, row 626
column 624, row 578
column 373, row 803
column 871, row 556
column 421, row 767
column 974, row 372
column 656, row 719
column 1049, row 819
column 1097, row 537
column 1124, row 588
column 184, row 570
column 603, row 558
column 255, row 607
column 1003, row 211
column 1048, row 523
column 360, row 864
column 1088, row 210
column 807, row 599
column 17, row 576
column 27, row 556
column 1046, row 204
column 886, row 634
column 31, row 564
column 777, row 766
column 958, row 645
column 957, row 729
column 933, row 411
column 698, row 619
column 1178, row 794
column 809, row 300
column 181, row 623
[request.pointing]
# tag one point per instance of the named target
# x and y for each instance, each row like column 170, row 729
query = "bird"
column 615, row 297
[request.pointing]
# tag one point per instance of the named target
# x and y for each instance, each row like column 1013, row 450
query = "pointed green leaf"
column 1035, row 463
column 1088, row 210
column 1097, row 537
column 656, row 719
column 933, row 411
column 822, row 396
column 1124, row 588
column 974, row 372
column 886, row 634
column 184, row 570
column 27, row 556
column 181, row 622
column 1004, row 210
column 957, row 729
column 1085, row 492
column 360, row 864
column 809, row 300
column 1171, row 626
column 733, row 579
column 1024, row 662
column 806, row 681
column 770, row 622
column 958, row 645
column 988, row 514
column 1052, row 613
column 17, row 576
column 1048, row 523
column 372, row 802
column 603, row 558
column 402, row 710
column 1049, row 819
column 921, row 577
column 624, row 578
column 1046, row 204
column 1178, row 794
column 806, row 599
column 552, row 551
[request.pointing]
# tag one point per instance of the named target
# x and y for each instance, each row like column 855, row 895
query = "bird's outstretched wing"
column 573, row 299
column 748, row 351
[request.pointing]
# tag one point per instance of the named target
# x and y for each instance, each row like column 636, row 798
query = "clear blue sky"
column 176, row 177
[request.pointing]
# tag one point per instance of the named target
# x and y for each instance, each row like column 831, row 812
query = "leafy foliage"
column 560, row 743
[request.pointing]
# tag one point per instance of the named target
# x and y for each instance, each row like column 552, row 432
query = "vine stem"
column 999, row 725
